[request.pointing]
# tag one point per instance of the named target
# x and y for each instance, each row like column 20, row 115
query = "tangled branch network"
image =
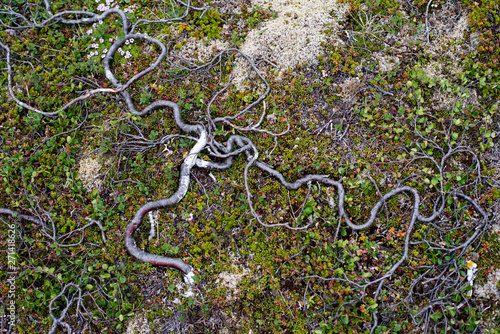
column 234, row 146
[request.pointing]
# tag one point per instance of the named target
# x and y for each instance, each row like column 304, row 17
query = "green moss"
column 206, row 24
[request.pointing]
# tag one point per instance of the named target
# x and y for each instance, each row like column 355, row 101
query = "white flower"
column 94, row 25
column 111, row 40
column 93, row 38
column 90, row 32
column 100, row 21
column 131, row 40
column 102, row 8
column 105, row 51
column 103, row 55
column 101, row 40
column 126, row 42
column 471, row 272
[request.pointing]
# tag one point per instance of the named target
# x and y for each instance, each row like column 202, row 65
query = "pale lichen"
column 201, row 50
column 230, row 281
column 88, row 173
column 350, row 87
column 294, row 37
column 489, row 290
column 387, row 63
column 138, row 325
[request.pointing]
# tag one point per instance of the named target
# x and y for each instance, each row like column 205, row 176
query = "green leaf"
column 308, row 210
column 436, row 316
column 247, row 98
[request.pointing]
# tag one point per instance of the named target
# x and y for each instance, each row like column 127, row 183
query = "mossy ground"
column 365, row 138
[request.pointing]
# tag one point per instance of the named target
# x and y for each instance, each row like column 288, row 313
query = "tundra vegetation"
column 352, row 192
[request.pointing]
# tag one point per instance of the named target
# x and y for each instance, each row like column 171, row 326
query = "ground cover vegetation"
column 353, row 195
